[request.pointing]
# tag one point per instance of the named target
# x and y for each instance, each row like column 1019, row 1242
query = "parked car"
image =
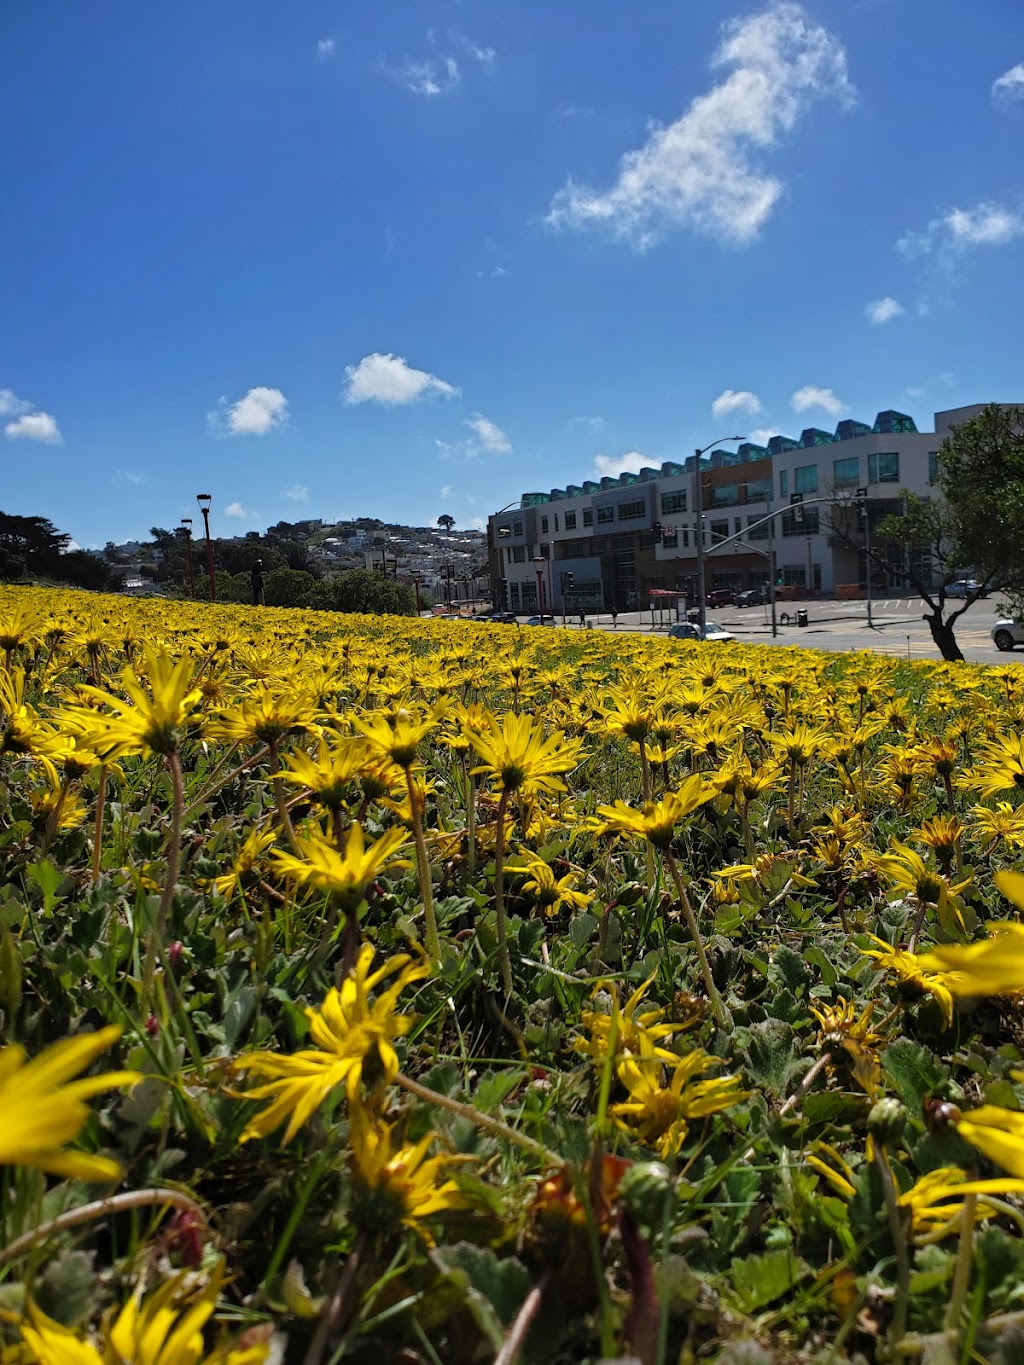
column 685, row 630
column 962, row 587
column 752, row 597
column 720, row 597
column 508, row 617
column 541, row 621
column 1008, row 634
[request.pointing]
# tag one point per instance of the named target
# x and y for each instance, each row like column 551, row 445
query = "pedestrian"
column 615, row 619
column 256, row 576
column 583, row 619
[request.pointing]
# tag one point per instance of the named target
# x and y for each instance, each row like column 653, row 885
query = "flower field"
column 424, row 991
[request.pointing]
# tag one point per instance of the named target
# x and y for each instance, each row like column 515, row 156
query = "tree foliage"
column 32, row 547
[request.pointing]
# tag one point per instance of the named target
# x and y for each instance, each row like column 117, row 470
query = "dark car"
column 720, row 597
column 753, row 597
column 508, row 617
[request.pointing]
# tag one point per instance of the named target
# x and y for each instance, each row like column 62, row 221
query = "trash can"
column 801, row 618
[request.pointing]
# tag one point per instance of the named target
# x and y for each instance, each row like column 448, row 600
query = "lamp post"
column 698, row 508
column 204, row 500
column 186, row 526
column 538, row 566
column 416, row 589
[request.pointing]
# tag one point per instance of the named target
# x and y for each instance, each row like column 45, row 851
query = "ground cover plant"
column 431, row 991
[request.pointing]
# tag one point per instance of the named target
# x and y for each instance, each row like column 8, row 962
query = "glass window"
column 933, row 466
column 517, row 528
column 513, row 594
column 570, row 521
column 846, row 473
column 518, row 554
column 759, row 490
column 808, row 527
column 556, row 521
column 737, row 525
column 725, row 495
column 805, row 479
column 630, row 511
column 784, row 482
column 670, row 539
column 673, row 502
column 605, row 515
column 543, row 523
column 719, row 530
column 588, row 516
column 884, row 468
column 758, row 532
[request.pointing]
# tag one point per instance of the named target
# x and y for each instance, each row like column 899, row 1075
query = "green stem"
column 898, row 1232
column 480, row 1120
column 504, row 961
column 423, row 871
column 722, row 1015
column 964, row 1257
column 279, row 799
column 97, row 838
column 159, row 925
column 100, row 1208
column 332, row 1313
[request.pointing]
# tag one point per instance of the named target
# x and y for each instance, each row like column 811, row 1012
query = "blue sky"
column 420, row 256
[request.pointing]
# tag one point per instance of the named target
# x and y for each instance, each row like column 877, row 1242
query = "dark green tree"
column 374, row 593
column 445, row 521
column 973, row 525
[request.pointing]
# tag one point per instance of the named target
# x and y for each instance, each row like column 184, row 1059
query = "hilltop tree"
column 446, row 521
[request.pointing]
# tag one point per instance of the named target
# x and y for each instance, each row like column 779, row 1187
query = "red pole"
column 204, row 505
column 191, row 570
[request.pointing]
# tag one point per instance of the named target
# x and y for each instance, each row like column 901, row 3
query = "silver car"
column 1008, row 634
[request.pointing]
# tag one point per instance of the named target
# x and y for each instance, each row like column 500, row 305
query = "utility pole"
column 864, row 511
column 698, row 509
column 771, row 568
column 186, row 525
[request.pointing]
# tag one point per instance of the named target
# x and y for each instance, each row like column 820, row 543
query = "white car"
column 684, row 630
column 1008, row 634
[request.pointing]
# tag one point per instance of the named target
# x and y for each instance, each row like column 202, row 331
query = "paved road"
column 841, row 626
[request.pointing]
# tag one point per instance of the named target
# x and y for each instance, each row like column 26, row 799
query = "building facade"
column 610, row 544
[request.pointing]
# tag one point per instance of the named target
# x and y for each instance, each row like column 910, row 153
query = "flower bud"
column 152, row 1025
column 644, row 1189
column 174, row 953
column 887, row 1120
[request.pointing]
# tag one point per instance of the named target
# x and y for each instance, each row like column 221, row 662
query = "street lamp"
column 698, row 507
column 186, row 526
column 204, row 500
column 538, row 564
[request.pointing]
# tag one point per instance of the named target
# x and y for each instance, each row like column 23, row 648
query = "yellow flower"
column 633, row 1032
column 997, row 1133
column 995, row 966
column 347, row 1028
column 397, row 736
column 518, row 756
column 548, row 892
column 933, row 1216
column 909, row 972
column 658, row 820
column 398, row 1179
column 154, row 1331
column 658, row 1115
column 157, row 720
column 266, row 715
column 43, row 1108
column 329, row 776
column 254, row 845
column 319, row 864
column 1005, row 822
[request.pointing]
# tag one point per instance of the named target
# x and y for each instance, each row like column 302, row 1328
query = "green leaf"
column 582, row 929
column 65, row 1292
column 815, row 957
column 832, row 1106
column 771, row 1054
column 760, row 1280
column 789, row 968
column 491, row 1090
column 914, row 1071
column 495, row 1289
column 10, row 972
column 46, row 877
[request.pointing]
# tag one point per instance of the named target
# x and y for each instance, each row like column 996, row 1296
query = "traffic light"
column 656, row 530
column 567, row 582
column 780, row 578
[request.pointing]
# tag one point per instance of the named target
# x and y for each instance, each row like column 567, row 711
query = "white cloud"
column 954, row 232
column 497, row 273
column 236, row 509
column 448, row 490
column 298, row 492
column 11, row 405
column 438, row 76
column 391, row 380
column 127, row 476
column 591, row 423
column 735, row 400
column 703, row 170
column 810, row 396
column 326, row 48
column 256, row 412
column 484, row 55
column 491, row 437
column 611, row 466
column 761, row 435
column 1009, row 87
column 882, row 310
column 35, row 426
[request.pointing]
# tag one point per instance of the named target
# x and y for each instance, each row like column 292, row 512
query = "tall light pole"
column 538, row 565
column 698, row 508
column 204, row 500
column 186, row 526
column 864, row 510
